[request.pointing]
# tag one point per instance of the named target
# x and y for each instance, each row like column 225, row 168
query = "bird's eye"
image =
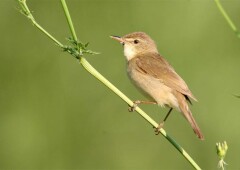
column 136, row 41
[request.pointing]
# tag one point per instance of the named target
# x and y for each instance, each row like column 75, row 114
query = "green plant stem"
column 25, row 10
column 69, row 20
column 228, row 19
column 97, row 75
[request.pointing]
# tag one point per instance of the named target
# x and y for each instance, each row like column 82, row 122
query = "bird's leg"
column 137, row 102
column 162, row 123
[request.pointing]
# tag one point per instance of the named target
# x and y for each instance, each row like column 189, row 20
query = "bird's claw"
column 133, row 107
column 157, row 129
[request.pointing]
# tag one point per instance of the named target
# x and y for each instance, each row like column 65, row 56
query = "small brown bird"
column 156, row 78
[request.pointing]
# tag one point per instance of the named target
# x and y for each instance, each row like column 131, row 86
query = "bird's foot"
column 133, row 107
column 137, row 102
column 157, row 129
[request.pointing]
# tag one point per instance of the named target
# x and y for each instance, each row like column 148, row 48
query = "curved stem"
column 25, row 10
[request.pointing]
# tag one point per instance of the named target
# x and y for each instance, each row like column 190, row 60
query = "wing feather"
column 157, row 67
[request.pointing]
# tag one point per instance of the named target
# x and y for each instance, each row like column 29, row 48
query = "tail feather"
column 188, row 115
column 193, row 123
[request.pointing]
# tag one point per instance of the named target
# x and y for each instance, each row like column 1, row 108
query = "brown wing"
column 156, row 66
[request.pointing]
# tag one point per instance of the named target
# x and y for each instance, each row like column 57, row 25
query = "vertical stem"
column 69, row 20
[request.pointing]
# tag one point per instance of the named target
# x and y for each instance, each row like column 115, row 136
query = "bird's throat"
column 129, row 52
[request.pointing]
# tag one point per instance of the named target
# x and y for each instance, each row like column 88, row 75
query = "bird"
column 156, row 78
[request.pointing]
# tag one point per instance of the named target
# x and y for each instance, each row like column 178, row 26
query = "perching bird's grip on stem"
column 77, row 49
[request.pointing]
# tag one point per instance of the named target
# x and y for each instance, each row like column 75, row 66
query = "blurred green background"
column 55, row 115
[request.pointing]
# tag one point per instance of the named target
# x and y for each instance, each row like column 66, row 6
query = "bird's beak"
column 119, row 39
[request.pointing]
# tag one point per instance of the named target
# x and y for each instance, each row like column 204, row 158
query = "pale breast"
column 153, row 87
